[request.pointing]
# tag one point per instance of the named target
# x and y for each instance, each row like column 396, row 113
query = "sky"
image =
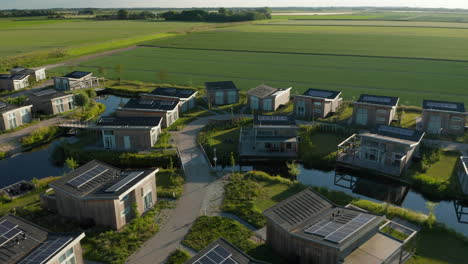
column 30, row 4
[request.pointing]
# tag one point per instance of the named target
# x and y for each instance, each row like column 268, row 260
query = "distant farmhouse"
column 12, row 116
column 386, row 149
column 271, row 136
column 23, row 242
column 128, row 133
column 267, row 99
column 316, row 103
column 222, row 93
column 307, row 228
column 447, row 118
column 186, row 97
column 167, row 110
column 37, row 74
column 51, row 102
column 99, row 194
column 221, row 251
column 14, row 82
column 373, row 110
column 77, row 80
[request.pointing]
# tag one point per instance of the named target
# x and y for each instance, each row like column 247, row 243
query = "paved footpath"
column 198, row 177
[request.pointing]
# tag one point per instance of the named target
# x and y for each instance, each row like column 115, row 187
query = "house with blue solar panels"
column 22, row 242
column 222, row 252
column 444, row 118
column 373, row 110
column 51, row 102
column 77, row 80
column 168, row 111
column 308, row 228
column 186, row 97
column 99, row 194
column 316, row 103
column 385, row 150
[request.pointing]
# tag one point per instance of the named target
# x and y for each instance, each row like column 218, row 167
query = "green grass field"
column 412, row 80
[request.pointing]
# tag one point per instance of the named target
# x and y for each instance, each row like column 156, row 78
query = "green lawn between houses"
column 436, row 245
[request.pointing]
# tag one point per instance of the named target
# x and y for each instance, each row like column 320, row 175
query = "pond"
column 37, row 163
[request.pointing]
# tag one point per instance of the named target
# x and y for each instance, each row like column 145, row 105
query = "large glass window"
column 25, row 116
column 361, row 116
column 68, row 257
column 232, row 96
column 71, row 104
column 267, row 105
column 300, row 107
column 253, row 103
column 219, row 98
column 148, row 200
column 12, row 120
column 59, row 106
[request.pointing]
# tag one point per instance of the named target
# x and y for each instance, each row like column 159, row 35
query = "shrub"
column 2, row 154
column 178, row 257
column 41, row 135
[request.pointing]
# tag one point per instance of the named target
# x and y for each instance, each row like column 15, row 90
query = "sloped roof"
column 77, row 74
column 262, row 91
column 13, row 76
column 444, row 106
column 319, row 93
column 399, row 133
column 48, row 94
column 6, row 107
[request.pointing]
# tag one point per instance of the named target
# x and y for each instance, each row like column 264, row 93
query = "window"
column 361, row 116
column 435, row 125
column 382, row 111
column 219, row 98
column 318, row 104
column 59, row 106
column 12, row 120
column 108, row 132
column 148, row 201
column 456, row 119
column 267, row 105
column 300, row 107
column 68, row 257
column 289, row 145
column 25, row 116
column 253, row 103
column 455, row 127
column 380, row 119
column 71, row 104
column 317, row 110
column 232, row 97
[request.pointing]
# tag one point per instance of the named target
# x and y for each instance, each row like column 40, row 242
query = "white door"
column 127, row 144
column 253, row 103
column 435, row 124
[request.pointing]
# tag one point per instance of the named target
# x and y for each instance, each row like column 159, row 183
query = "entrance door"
column 148, row 201
column 435, row 124
column 361, row 116
column 127, row 144
column 253, row 103
column 219, row 98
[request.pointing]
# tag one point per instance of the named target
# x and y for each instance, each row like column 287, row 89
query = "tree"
column 293, row 169
column 431, row 217
column 222, row 11
column 233, row 162
column 122, row 14
column 71, row 163
column 162, row 75
column 81, row 99
column 119, row 70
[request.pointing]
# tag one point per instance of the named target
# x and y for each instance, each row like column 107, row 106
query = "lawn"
column 409, row 119
column 169, row 183
column 411, row 80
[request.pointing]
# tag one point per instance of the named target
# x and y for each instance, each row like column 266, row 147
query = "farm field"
column 362, row 41
column 25, row 36
column 367, row 23
column 412, row 80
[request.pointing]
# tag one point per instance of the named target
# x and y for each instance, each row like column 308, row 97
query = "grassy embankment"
column 265, row 191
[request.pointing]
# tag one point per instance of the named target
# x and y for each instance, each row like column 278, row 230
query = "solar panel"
column 376, row 99
column 146, row 102
column 41, row 93
column 397, row 130
column 442, row 105
column 217, row 255
column 328, row 229
column 8, row 231
column 186, row 91
column 320, row 94
column 2, row 105
column 317, row 226
column 119, row 185
column 272, row 118
column 166, row 102
column 48, row 249
column 170, row 90
column 87, row 176
column 350, row 228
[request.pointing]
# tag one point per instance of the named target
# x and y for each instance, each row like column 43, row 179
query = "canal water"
column 38, row 164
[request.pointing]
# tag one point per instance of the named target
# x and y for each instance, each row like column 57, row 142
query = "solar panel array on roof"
column 41, row 93
column 216, row 255
column 87, row 176
column 442, row 105
column 186, row 91
column 376, row 99
column 170, row 90
column 46, row 250
column 272, row 118
column 397, row 130
column 8, row 231
column 3, row 105
column 319, row 93
column 166, row 102
column 146, row 102
column 119, row 185
column 345, row 231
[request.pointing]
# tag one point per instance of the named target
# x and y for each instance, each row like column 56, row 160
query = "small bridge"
column 77, row 124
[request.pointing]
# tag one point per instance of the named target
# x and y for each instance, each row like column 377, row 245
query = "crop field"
column 25, row 36
column 412, row 80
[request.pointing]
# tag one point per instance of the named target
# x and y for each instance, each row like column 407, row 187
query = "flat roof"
column 221, row 251
column 13, row 76
column 99, row 180
column 274, row 120
column 48, row 94
column 404, row 134
column 162, row 105
column 27, row 245
column 263, row 91
column 129, row 121
column 22, row 70
column 222, row 85
column 6, row 107
column 77, row 74
column 312, row 217
column 378, row 100
column 319, row 93
column 174, row 92
column 443, row 106
column 374, row 251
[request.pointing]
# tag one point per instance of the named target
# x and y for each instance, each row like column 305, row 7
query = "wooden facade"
column 315, row 103
column 35, row 74
column 373, row 110
column 221, row 93
column 77, row 80
column 168, row 117
column 14, row 82
column 52, row 104
column 443, row 118
column 15, row 117
column 267, row 99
